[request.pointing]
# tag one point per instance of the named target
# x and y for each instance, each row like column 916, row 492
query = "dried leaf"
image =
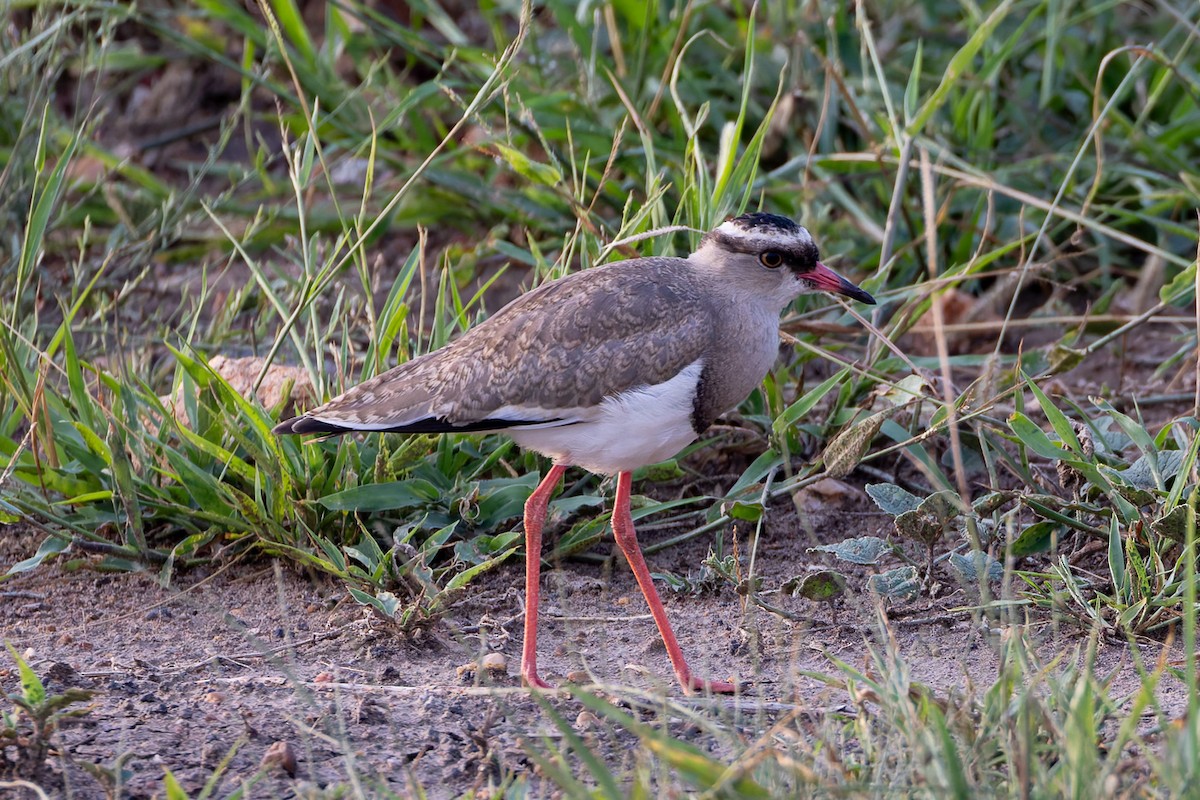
column 848, row 448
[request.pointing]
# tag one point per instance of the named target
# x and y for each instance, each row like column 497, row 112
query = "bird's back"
column 556, row 350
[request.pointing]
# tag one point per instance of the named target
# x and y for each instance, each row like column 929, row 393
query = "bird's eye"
column 770, row 259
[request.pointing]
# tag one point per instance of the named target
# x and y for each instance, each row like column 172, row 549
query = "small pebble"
column 281, row 755
column 494, row 662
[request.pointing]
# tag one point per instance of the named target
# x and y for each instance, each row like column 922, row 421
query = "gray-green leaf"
column 893, row 499
column 865, row 550
column 900, row 583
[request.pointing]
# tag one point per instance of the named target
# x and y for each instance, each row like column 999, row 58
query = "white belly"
column 627, row 431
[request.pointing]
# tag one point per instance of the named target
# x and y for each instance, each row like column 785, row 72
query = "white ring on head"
column 765, row 235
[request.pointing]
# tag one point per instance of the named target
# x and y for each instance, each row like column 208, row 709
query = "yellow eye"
column 770, row 259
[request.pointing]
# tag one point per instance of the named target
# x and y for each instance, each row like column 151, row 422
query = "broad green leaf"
column 1172, row 525
column 50, row 546
column 1036, row 538
column 750, row 512
column 385, row 603
column 395, row 495
column 1180, row 287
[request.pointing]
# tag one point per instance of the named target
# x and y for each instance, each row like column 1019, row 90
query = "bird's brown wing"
column 547, row 358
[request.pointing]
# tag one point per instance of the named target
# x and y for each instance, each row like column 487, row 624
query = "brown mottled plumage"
column 566, row 344
column 609, row 369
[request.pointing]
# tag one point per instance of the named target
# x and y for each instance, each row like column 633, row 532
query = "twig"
column 22, row 595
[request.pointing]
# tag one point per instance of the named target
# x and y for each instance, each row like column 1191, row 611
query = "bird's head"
column 771, row 251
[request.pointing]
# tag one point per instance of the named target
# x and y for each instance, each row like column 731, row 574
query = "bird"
column 607, row 369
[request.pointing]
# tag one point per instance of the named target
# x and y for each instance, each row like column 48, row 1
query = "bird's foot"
column 693, row 684
column 532, row 680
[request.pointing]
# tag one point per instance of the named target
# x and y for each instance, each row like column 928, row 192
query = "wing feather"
column 546, row 359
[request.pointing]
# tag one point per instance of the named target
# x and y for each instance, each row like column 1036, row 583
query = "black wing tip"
column 307, row 424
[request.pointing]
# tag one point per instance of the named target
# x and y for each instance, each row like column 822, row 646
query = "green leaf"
column 395, row 495
column 502, row 499
column 1180, row 287
column 755, row 473
column 291, row 21
column 1172, row 525
column 32, row 690
column 920, row 526
column 823, row 586
column 526, row 167
column 912, row 91
column 172, row 788
column 1146, row 474
column 1034, row 438
column 467, row 575
column 607, row 782
column 808, row 401
column 1116, row 561
column 1036, row 538
column 581, row 536
column 480, row 548
column 1064, row 359
column 959, row 64
column 385, row 603
column 50, row 546
column 750, row 512
column 1059, row 421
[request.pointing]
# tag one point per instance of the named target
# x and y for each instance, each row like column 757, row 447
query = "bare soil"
column 223, row 666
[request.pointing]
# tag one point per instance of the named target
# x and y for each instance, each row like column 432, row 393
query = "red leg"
column 535, row 519
column 626, row 538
